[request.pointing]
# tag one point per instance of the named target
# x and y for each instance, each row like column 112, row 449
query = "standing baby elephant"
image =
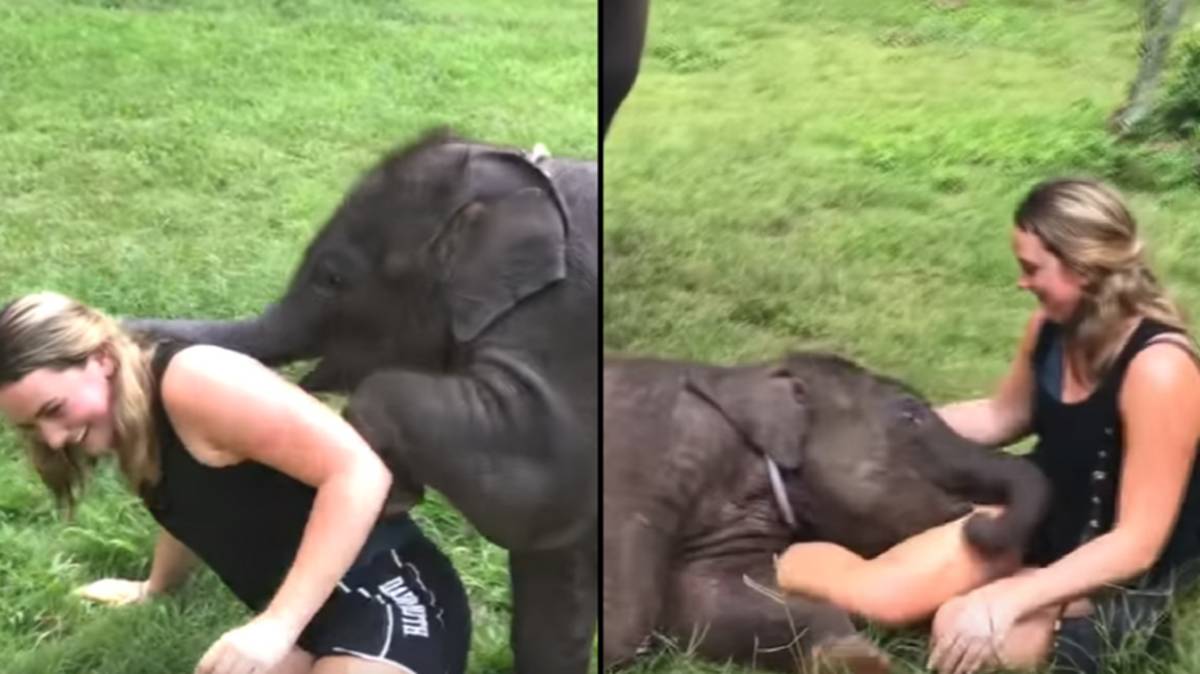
column 453, row 293
column 710, row 471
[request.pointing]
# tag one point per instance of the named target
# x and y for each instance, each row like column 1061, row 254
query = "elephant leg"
column 554, row 609
column 498, row 443
column 720, row 616
column 624, row 38
column 636, row 561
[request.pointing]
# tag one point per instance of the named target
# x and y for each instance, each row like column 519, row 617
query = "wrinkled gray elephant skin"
column 692, row 521
column 453, row 294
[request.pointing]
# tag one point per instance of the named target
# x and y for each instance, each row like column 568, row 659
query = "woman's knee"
column 1027, row 645
column 1030, row 641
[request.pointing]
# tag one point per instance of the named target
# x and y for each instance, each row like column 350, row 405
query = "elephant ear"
column 494, row 172
column 506, row 250
column 766, row 405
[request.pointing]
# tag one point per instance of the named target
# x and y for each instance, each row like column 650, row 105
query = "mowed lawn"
column 173, row 159
column 842, row 175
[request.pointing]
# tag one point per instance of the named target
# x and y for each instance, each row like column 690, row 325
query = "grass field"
column 167, row 158
column 843, row 175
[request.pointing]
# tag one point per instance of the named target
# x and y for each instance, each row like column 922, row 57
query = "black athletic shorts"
column 404, row 605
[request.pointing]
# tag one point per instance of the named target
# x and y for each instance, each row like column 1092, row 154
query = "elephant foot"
column 854, row 654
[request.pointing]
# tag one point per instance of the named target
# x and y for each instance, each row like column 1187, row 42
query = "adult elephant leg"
column 554, row 609
column 723, row 616
column 624, row 38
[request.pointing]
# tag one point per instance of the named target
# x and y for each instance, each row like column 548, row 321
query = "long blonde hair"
column 49, row 330
column 1087, row 226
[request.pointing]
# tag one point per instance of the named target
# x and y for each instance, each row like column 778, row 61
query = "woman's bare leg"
column 905, row 584
column 1030, row 640
column 338, row 664
column 298, row 661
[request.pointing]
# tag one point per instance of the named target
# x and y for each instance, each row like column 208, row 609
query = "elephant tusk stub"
column 780, row 496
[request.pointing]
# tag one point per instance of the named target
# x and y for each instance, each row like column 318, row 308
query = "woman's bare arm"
column 225, row 402
column 1004, row 417
column 1160, row 410
column 173, row 564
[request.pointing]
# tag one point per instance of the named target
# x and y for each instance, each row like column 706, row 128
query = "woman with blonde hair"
column 266, row 485
column 1108, row 379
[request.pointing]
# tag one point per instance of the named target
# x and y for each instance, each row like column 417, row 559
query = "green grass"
column 167, row 158
column 842, row 175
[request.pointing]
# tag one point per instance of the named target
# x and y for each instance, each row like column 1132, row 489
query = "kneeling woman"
column 1106, row 376
column 266, row 485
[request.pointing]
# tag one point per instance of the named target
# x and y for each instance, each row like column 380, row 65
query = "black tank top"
column 245, row 521
column 1081, row 447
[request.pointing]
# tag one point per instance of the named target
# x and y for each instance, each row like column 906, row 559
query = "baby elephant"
column 709, row 471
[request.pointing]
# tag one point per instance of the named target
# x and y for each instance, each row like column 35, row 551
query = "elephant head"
column 866, row 461
column 430, row 249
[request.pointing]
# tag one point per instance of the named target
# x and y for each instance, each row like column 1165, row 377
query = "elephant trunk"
column 1026, row 494
column 270, row 337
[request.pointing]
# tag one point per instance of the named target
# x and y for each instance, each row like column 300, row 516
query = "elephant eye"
column 913, row 412
column 329, row 280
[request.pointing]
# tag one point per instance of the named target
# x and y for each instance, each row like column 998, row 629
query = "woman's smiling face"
column 1057, row 287
column 72, row 406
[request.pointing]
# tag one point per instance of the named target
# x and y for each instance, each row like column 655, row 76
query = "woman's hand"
column 969, row 631
column 115, row 591
column 256, row 647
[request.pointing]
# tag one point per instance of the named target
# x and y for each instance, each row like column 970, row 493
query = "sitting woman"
column 269, row 487
column 1108, row 379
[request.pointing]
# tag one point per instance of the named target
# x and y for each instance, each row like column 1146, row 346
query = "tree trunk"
column 1161, row 20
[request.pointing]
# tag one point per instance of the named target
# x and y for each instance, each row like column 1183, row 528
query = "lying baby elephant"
column 710, row 471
